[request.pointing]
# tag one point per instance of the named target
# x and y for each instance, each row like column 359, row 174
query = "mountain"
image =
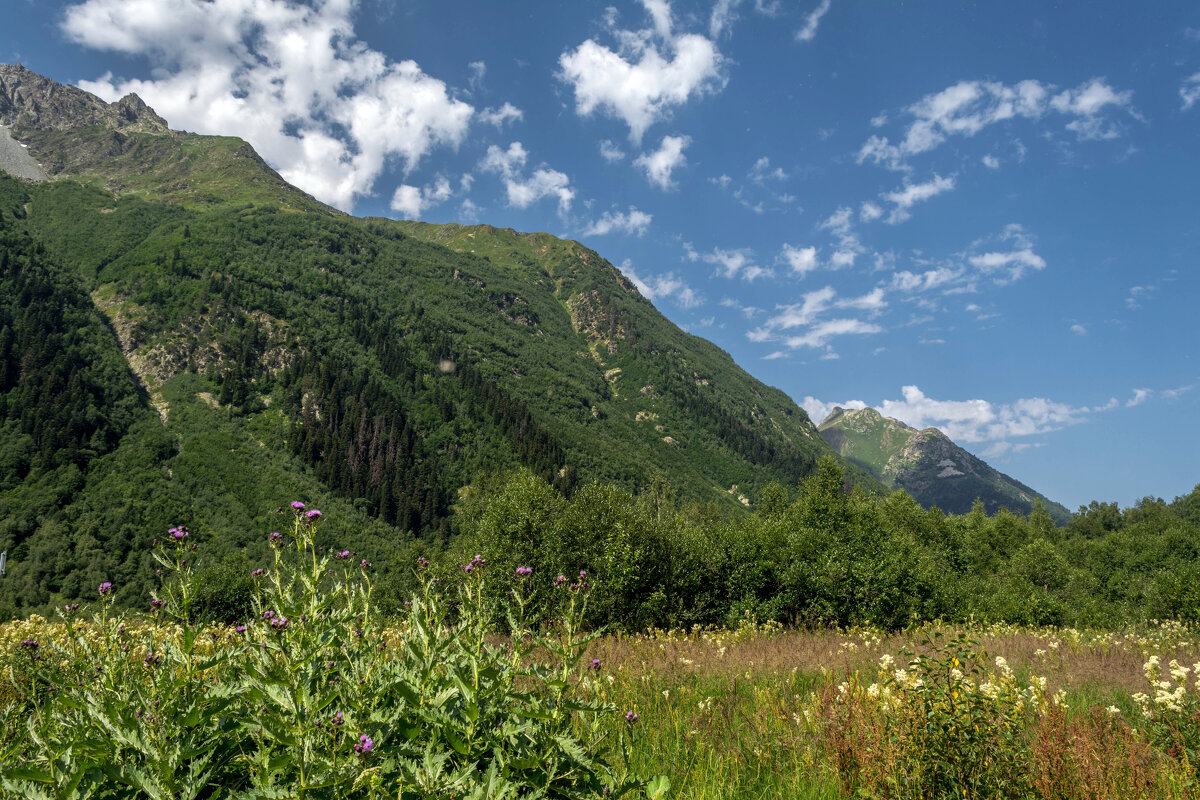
column 926, row 464
column 187, row 339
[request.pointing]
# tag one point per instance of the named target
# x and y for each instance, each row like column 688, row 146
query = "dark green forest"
column 442, row 390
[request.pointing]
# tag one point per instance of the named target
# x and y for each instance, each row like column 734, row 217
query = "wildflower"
column 298, row 506
column 523, row 571
column 560, row 580
column 365, row 564
column 279, row 623
column 240, row 629
column 276, row 538
column 105, row 589
column 258, row 573
column 337, row 719
column 595, row 663
column 631, row 717
column 156, row 604
column 30, row 644
column 342, row 554
column 152, row 660
column 268, row 614
column 365, row 744
column 179, row 534
column 422, row 562
column 313, row 516
column 71, row 608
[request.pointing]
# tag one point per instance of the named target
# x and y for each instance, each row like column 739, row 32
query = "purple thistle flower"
column 523, row 571
column 268, row 614
column 365, row 744
column 595, row 663
column 276, row 538
column 279, row 623
column 296, row 504
column 156, row 604
column 560, row 580
column 631, row 717
column 105, row 589
column 179, row 533
column 364, row 564
column 29, row 644
column 240, row 629
column 313, row 515
column 258, row 573
column 337, row 718
column 71, row 608
column 468, row 567
column 422, row 562
column 151, row 660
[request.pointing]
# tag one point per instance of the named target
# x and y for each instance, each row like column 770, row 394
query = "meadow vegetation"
column 494, row 681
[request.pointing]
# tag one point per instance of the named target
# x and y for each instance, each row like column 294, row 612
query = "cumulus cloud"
column 818, row 410
column 633, row 222
column 729, row 263
column 327, row 111
column 910, row 194
column 659, row 164
column 849, row 247
column 651, row 72
column 1189, row 91
column 1079, row 330
column 809, row 30
column 991, row 162
column 666, row 285
column 968, row 107
column 411, row 200
column 502, row 115
column 523, row 189
column 801, row 260
column 610, row 152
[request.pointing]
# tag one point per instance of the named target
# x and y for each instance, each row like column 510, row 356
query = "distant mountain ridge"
column 927, row 464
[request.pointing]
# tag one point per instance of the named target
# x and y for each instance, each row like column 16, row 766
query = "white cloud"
column 991, row 162
column 1139, row 396
column 809, row 31
column 849, row 247
column 411, row 200
column 1079, row 330
column 610, row 152
column 869, row 212
column 1189, row 91
column 524, row 190
column 1008, row 266
column 730, row 263
column 632, row 222
column 478, row 71
column 659, row 165
column 801, row 260
column 294, row 80
column 973, row 421
column 967, row 107
column 928, row 280
column 666, row 285
column 499, row 116
column 761, row 172
column 809, row 312
column 909, row 195
column 819, row 334
column 818, row 410
column 981, row 421
column 651, row 72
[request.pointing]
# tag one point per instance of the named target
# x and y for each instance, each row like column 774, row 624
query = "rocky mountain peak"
column 29, row 101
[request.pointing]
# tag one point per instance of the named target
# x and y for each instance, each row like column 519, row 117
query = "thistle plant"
column 315, row 696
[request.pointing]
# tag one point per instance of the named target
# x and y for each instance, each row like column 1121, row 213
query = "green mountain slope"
column 266, row 348
column 927, row 465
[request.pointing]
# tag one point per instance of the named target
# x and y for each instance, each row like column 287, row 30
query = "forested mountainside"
column 188, row 339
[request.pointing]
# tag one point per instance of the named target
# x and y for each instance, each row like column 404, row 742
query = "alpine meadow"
column 298, row 503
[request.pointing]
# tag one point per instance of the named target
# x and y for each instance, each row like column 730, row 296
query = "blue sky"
column 977, row 216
